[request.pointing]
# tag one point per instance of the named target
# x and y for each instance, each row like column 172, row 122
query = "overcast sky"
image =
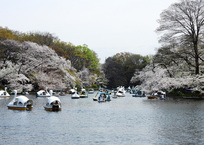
column 106, row 26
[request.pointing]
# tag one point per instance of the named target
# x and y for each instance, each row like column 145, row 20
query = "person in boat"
column 102, row 96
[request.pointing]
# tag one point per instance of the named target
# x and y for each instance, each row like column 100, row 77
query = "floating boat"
column 83, row 93
column 157, row 95
column 61, row 93
column 43, row 93
column 120, row 92
column 91, row 91
column 25, row 93
column 4, row 93
column 101, row 97
column 53, row 103
column 72, row 91
column 139, row 93
column 20, row 102
column 75, row 96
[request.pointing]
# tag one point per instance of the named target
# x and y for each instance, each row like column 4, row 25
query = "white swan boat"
column 120, row 92
column 75, row 96
column 72, row 91
column 43, row 93
column 4, row 93
column 53, row 103
column 20, row 102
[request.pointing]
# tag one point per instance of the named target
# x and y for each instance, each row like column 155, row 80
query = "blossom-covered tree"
column 37, row 65
column 182, row 24
column 157, row 78
column 87, row 78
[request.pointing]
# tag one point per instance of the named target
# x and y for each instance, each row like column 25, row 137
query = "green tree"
column 120, row 68
column 40, row 38
column 5, row 33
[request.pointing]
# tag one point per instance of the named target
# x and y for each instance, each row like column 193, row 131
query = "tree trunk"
column 197, row 69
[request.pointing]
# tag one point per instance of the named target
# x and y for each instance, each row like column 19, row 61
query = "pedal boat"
column 20, row 103
column 53, row 103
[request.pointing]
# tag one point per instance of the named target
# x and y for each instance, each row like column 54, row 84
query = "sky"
column 106, row 26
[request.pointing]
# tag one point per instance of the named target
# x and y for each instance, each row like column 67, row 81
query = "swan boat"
column 43, row 93
column 53, row 103
column 157, row 95
column 75, row 96
column 72, row 91
column 20, row 102
column 83, row 94
column 120, row 92
column 4, row 93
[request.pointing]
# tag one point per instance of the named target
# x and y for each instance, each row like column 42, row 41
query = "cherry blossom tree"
column 157, row 78
column 36, row 64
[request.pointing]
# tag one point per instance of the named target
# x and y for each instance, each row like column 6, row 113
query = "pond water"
column 122, row 121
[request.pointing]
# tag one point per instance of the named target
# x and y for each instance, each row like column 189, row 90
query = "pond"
column 122, row 121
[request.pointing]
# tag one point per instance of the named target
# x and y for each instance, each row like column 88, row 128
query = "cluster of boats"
column 21, row 102
column 154, row 95
column 77, row 95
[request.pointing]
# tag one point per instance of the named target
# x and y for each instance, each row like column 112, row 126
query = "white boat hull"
column 120, row 95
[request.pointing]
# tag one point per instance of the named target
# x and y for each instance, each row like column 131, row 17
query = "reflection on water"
column 124, row 121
